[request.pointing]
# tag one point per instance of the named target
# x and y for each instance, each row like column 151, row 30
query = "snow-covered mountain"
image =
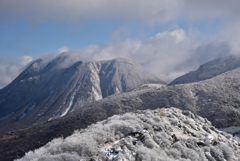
column 216, row 98
column 45, row 91
column 209, row 70
column 161, row 134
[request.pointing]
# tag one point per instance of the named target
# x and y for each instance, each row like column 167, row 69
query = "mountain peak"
column 62, row 86
column 210, row 69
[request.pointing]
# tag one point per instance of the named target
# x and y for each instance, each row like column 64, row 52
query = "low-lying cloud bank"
column 150, row 11
column 167, row 54
column 8, row 71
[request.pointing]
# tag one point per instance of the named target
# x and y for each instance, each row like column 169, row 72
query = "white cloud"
column 209, row 9
column 167, row 54
column 11, row 70
column 24, row 60
column 150, row 11
column 49, row 56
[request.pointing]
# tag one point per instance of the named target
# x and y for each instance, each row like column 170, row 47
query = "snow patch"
column 31, row 108
column 7, row 116
column 69, row 105
column 96, row 95
column 22, row 116
column 117, row 90
column 194, row 95
column 150, row 86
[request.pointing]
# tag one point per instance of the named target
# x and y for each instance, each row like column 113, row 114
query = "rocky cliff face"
column 161, row 134
column 48, row 91
column 210, row 70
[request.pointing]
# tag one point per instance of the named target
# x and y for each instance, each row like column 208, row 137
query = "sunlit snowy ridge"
column 162, row 134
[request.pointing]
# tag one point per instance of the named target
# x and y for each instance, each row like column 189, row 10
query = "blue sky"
column 160, row 35
column 22, row 37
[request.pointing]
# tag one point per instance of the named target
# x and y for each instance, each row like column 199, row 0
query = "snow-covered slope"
column 161, row 134
column 210, row 70
column 46, row 91
column 217, row 99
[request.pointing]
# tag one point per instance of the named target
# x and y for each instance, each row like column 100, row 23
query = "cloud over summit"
column 168, row 54
column 9, row 71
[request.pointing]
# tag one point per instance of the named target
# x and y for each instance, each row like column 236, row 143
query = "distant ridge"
column 209, row 70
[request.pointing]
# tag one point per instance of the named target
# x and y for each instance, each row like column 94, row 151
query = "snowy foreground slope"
column 45, row 91
column 210, row 70
column 159, row 135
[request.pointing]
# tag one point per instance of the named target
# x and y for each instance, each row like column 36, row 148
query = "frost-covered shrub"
column 148, row 142
column 201, row 154
column 176, row 153
column 128, row 142
column 209, row 156
column 227, row 151
column 144, row 153
column 150, row 122
column 191, row 143
column 135, row 137
column 191, row 123
column 162, row 139
column 60, row 157
column 206, row 129
column 148, row 114
column 156, row 119
column 128, row 116
column 146, row 126
column 189, row 153
column 216, row 153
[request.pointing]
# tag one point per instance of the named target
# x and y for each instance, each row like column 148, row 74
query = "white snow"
column 114, row 139
column 22, row 116
column 194, row 95
column 69, row 105
column 117, row 90
column 156, row 86
column 96, row 95
column 109, row 152
column 7, row 116
column 31, row 108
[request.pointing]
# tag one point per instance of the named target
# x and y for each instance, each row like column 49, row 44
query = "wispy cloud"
column 9, row 71
column 149, row 11
column 168, row 54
